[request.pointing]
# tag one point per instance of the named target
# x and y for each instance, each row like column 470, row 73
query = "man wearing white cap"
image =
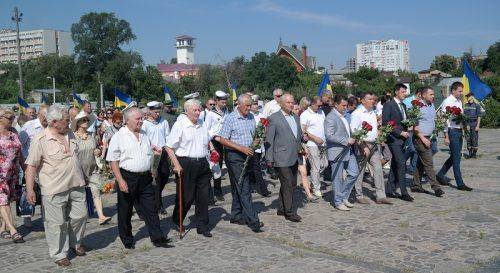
column 157, row 130
column 213, row 121
column 194, row 95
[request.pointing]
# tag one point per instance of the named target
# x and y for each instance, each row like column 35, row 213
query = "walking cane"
column 181, row 206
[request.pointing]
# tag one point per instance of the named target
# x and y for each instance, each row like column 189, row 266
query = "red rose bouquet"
column 214, row 156
column 456, row 115
column 413, row 114
column 258, row 137
column 360, row 134
column 384, row 131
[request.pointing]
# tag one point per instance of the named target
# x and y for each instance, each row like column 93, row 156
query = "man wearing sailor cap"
column 157, row 130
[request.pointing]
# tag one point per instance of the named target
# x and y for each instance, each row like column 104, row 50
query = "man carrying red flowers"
column 453, row 137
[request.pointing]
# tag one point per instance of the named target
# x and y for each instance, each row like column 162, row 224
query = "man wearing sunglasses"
column 273, row 106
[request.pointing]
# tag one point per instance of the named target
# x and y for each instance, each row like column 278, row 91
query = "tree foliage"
column 445, row 63
column 492, row 61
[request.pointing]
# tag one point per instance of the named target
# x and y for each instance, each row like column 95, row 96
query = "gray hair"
column 305, row 102
column 127, row 114
column 55, row 113
column 244, row 97
column 145, row 111
column 277, row 91
column 284, row 96
column 190, row 103
column 255, row 98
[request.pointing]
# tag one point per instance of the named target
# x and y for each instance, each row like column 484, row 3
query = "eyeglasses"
column 278, row 96
column 212, row 104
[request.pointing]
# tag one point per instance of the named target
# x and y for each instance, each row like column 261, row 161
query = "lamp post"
column 53, row 87
column 17, row 18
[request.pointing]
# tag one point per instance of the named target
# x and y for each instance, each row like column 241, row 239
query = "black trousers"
column 217, row 189
column 398, row 170
column 256, row 177
column 141, row 191
column 288, row 181
column 162, row 179
column 195, row 182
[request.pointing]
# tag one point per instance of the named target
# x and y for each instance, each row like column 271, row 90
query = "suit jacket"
column 391, row 111
column 336, row 136
column 282, row 147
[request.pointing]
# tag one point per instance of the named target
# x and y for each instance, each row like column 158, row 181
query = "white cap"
column 154, row 104
column 221, row 94
column 194, row 95
column 78, row 117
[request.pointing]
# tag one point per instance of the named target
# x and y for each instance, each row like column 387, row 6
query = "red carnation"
column 392, row 123
column 214, row 156
column 367, row 126
column 264, row 121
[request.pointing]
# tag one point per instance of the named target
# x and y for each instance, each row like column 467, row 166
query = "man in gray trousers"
column 340, row 153
column 283, row 142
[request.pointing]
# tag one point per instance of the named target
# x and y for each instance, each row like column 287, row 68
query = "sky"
column 329, row 28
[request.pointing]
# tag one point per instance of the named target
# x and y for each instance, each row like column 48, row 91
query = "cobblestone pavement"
column 457, row 233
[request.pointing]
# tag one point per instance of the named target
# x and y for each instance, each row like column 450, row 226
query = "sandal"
column 105, row 221
column 5, row 234
column 17, row 238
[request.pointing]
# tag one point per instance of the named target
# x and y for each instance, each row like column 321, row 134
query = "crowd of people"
column 57, row 157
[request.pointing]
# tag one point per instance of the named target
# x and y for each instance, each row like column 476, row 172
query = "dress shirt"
column 157, row 131
column 362, row 114
column 188, row 139
column 291, row 121
column 344, row 120
column 452, row 101
column 212, row 119
column 400, row 105
column 28, row 131
column 59, row 170
column 314, row 123
column 271, row 108
column 134, row 155
column 427, row 122
column 238, row 129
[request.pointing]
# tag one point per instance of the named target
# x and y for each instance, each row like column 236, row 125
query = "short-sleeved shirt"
column 314, row 123
column 157, row 131
column 59, row 171
column 133, row 155
column 472, row 111
column 427, row 122
column 238, row 129
column 189, row 139
column 362, row 114
column 28, row 131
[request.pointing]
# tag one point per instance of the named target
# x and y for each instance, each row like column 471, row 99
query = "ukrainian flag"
column 233, row 92
column 22, row 104
column 77, row 101
column 325, row 84
column 169, row 96
column 121, row 99
column 472, row 84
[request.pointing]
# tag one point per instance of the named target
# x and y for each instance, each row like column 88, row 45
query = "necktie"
column 402, row 110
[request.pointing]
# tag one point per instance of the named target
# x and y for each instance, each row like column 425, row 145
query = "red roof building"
column 177, row 71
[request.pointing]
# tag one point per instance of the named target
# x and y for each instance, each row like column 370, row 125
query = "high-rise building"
column 350, row 64
column 34, row 43
column 185, row 49
column 386, row 55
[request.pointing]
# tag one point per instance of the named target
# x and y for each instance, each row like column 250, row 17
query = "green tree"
column 369, row 79
column 98, row 37
column 306, row 85
column 492, row 61
column 445, row 63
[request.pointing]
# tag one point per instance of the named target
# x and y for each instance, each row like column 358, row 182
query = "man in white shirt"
column 157, row 130
column 130, row 154
column 187, row 147
column 312, row 122
column 273, row 106
column 453, row 137
column 366, row 112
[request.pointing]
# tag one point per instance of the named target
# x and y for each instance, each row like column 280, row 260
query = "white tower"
column 185, row 49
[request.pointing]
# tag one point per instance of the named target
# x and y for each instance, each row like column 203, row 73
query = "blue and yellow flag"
column 325, row 84
column 234, row 96
column 473, row 84
column 22, row 104
column 169, row 96
column 121, row 99
column 77, row 101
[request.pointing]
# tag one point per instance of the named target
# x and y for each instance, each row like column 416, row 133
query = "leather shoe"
column 293, row 218
column 439, row 192
column 407, row 198
column 79, row 251
column 162, row 242
column 393, row 195
column 464, row 188
column 63, row 262
column 383, row 201
column 280, row 213
column 363, row 201
column 417, row 189
column 205, row 233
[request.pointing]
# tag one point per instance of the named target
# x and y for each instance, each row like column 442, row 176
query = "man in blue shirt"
column 423, row 144
column 236, row 135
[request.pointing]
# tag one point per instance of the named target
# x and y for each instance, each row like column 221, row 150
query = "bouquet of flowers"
column 441, row 119
column 413, row 114
column 360, row 134
column 456, row 114
column 384, row 131
column 107, row 187
column 258, row 138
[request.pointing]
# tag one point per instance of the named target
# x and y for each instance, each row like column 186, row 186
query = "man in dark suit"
column 396, row 110
column 283, row 142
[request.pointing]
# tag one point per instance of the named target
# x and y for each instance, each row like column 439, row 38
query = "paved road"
column 457, row 233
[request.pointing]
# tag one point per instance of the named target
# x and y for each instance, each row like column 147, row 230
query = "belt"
column 455, row 129
column 192, row 158
column 136, row 173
